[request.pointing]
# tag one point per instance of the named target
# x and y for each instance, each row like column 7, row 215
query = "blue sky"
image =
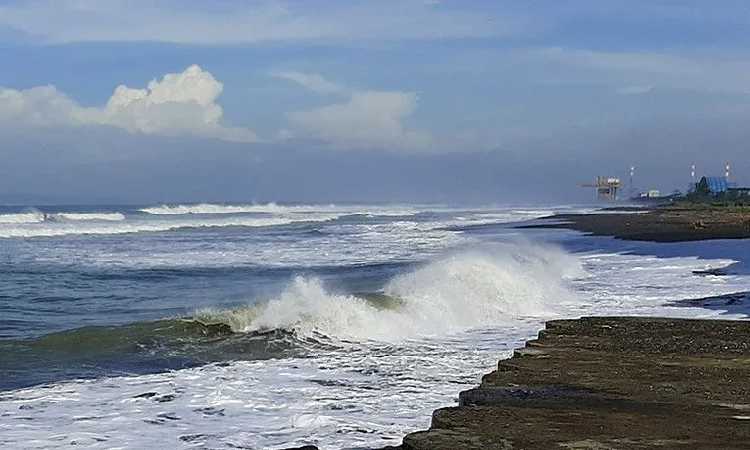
column 482, row 101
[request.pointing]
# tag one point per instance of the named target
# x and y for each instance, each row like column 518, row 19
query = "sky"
column 451, row 101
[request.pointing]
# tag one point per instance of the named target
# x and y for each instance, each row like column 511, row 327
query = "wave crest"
column 109, row 217
column 211, row 208
column 26, row 217
column 467, row 290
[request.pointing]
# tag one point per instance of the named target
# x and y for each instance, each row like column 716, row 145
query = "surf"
column 476, row 288
column 138, row 348
column 19, row 218
column 108, row 217
column 214, row 208
column 98, row 224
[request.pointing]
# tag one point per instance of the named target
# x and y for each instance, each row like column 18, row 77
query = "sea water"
column 267, row 325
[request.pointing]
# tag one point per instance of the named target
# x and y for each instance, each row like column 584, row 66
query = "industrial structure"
column 701, row 189
column 606, row 188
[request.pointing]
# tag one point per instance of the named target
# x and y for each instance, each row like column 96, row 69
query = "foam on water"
column 453, row 294
column 174, row 217
column 33, row 217
column 388, row 370
column 385, row 365
column 110, row 217
column 28, row 217
column 210, row 208
column 274, row 208
column 78, row 226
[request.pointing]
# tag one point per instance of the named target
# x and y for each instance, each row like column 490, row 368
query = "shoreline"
column 660, row 224
column 616, row 382
column 604, row 383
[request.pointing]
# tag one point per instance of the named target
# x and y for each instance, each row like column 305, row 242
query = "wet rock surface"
column 609, row 383
column 665, row 224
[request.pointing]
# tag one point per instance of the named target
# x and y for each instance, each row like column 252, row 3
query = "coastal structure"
column 605, row 188
column 712, row 185
column 719, row 189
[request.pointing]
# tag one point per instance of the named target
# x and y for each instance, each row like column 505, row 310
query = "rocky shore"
column 663, row 224
column 608, row 383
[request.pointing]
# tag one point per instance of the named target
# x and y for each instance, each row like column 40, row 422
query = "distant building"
column 712, row 186
column 653, row 193
column 721, row 188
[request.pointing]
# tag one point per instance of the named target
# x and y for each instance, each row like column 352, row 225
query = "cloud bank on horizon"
column 567, row 90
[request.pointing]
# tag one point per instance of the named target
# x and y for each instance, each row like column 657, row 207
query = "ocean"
column 265, row 326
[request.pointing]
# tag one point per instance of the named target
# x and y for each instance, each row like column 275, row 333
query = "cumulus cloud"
column 369, row 119
column 38, row 106
column 179, row 104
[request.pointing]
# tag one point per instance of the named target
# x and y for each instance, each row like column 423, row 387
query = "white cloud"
column 311, row 81
column 180, row 104
column 248, row 21
column 38, row 106
column 369, row 119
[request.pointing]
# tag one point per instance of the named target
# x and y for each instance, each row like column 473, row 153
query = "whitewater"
column 272, row 325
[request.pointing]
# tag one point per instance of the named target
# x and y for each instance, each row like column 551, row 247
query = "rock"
column 664, row 224
column 608, row 383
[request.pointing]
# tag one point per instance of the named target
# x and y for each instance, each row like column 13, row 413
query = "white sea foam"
column 26, row 217
column 171, row 217
column 452, row 317
column 455, row 293
column 274, row 208
column 98, row 226
column 109, row 217
column 210, row 208
column 368, row 393
column 33, row 217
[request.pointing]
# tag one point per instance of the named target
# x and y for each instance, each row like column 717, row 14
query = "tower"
column 692, row 185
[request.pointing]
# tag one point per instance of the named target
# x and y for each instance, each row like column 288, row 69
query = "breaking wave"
column 26, row 217
column 38, row 216
column 210, row 208
column 452, row 294
column 274, row 208
column 94, row 227
column 109, row 217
